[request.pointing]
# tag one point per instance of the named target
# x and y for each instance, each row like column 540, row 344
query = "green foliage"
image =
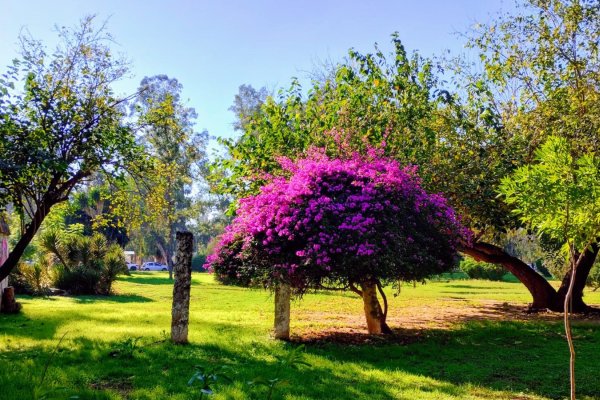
column 59, row 124
column 293, row 359
column 374, row 98
column 542, row 66
column 593, row 280
column 370, row 98
column 83, row 264
column 90, row 207
column 205, row 378
column 158, row 202
column 559, row 196
column 35, row 278
column 481, row 270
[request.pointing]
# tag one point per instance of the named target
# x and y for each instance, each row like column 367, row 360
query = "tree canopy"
column 344, row 222
column 61, row 126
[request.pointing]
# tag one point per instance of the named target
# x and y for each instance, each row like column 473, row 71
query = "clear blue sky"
column 212, row 47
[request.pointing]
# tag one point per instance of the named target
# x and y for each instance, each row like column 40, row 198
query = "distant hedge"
column 198, row 261
column 481, row 270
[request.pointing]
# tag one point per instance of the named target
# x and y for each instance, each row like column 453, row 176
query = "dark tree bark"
column 9, row 303
column 282, row 311
column 583, row 271
column 30, row 230
column 374, row 314
column 181, row 289
column 544, row 295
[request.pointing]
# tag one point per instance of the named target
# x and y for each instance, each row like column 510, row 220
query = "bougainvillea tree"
column 356, row 223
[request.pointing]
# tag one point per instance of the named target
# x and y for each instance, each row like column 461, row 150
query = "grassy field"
column 454, row 340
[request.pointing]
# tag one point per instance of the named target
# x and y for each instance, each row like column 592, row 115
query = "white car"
column 133, row 267
column 153, row 266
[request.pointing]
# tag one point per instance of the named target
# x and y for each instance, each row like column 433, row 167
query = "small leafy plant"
column 294, row 359
column 126, row 348
column 206, row 377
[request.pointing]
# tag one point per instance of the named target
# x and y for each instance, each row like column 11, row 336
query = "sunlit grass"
column 462, row 346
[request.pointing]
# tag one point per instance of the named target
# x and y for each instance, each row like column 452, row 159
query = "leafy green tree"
column 367, row 100
column 178, row 152
column 541, row 77
column 568, row 209
column 559, row 196
column 90, row 207
column 464, row 142
column 458, row 143
column 59, row 124
column 246, row 103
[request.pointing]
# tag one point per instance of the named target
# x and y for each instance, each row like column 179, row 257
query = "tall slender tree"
column 167, row 130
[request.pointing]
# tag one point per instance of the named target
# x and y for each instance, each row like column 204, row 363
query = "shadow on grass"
column 528, row 357
column 524, row 356
column 465, row 286
column 119, row 298
column 161, row 370
column 143, row 278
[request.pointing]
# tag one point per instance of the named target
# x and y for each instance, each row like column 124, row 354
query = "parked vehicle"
column 153, row 266
column 133, row 267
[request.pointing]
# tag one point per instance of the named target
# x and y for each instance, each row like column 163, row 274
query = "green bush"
column 593, row 280
column 84, row 264
column 198, row 261
column 481, row 270
column 80, row 279
column 34, row 279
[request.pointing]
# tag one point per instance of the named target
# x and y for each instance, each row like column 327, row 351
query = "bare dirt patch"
column 415, row 322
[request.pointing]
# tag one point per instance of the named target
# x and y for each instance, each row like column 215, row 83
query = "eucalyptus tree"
column 167, row 131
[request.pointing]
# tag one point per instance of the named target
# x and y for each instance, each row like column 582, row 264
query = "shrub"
column 341, row 221
column 198, row 261
column 593, row 280
column 481, row 270
column 84, row 264
column 34, row 279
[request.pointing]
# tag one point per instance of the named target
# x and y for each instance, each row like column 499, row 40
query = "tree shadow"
column 497, row 355
column 139, row 278
column 118, row 298
column 487, row 349
column 465, row 286
column 160, row 369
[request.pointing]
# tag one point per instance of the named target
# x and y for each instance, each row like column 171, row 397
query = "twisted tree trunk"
column 374, row 314
column 544, row 295
column 584, row 267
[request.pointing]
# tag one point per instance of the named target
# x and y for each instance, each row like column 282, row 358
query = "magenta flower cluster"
column 340, row 221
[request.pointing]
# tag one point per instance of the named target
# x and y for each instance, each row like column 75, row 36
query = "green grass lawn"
column 461, row 339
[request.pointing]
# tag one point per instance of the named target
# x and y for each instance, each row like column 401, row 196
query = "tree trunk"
column 15, row 255
column 9, row 303
column 544, row 295
column 181, row 289
column 163, row 248
column 170, row 248
column 583, row 270
column 282, row 311
column 374, row 314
